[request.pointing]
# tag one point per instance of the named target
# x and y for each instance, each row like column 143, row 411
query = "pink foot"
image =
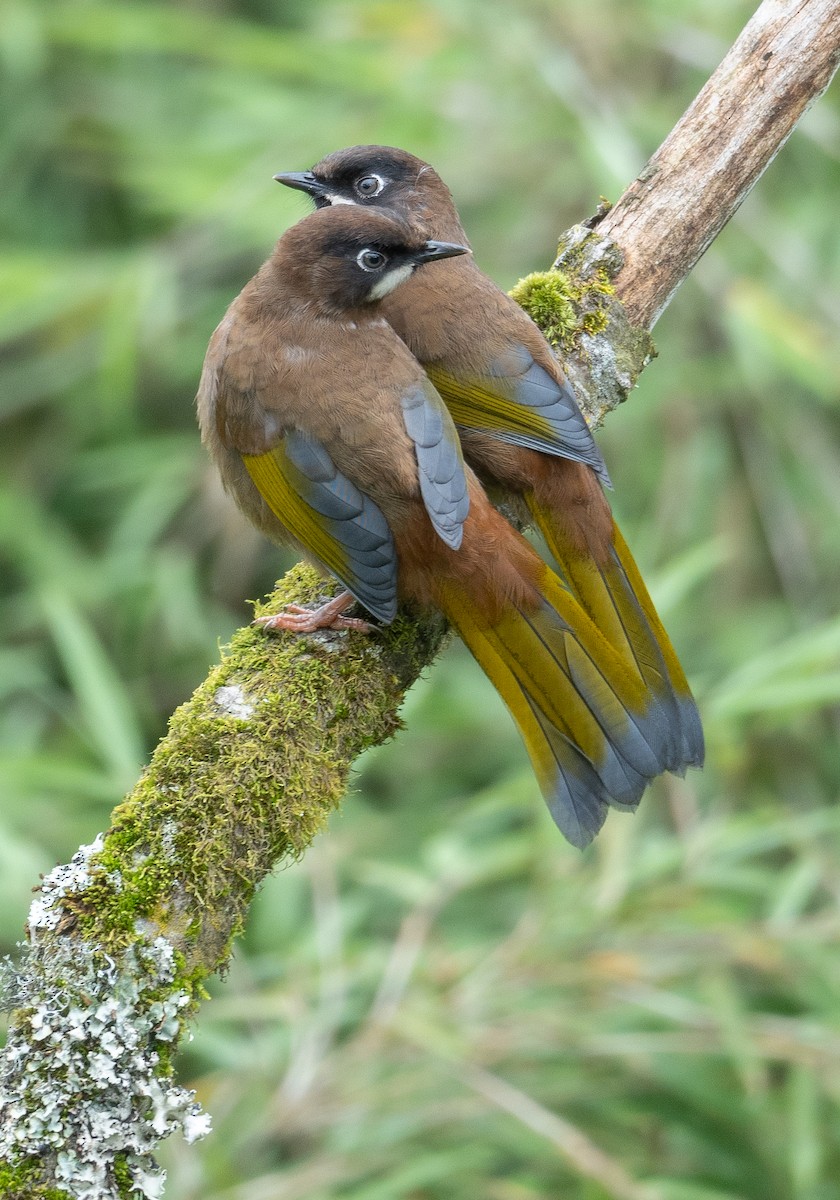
column 297, row 619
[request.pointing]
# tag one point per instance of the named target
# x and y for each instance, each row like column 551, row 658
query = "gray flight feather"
column 534, row 388
column 440, row 464
column 351, row 518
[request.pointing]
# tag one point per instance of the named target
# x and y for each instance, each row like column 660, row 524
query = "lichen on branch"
column 86, row 1083
column 575, row 305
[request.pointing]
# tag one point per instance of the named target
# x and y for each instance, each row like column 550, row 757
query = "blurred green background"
column 443, row 1000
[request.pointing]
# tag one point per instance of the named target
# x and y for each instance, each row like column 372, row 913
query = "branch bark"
column 783, row 61
column 120, row 939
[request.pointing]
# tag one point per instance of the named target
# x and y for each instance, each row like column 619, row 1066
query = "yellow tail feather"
column 617, row 601
column 595, row 734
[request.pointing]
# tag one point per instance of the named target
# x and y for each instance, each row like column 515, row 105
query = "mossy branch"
column 121, row 938
column 247, row 774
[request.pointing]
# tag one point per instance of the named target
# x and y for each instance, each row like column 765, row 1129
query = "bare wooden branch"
column 782, row 62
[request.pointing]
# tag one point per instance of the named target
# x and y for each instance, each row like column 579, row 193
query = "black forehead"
column 388, row 161
column 346, row 229
column 350, row 246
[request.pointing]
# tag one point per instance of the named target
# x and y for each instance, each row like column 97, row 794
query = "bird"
column 330, row 436
column 520, row 425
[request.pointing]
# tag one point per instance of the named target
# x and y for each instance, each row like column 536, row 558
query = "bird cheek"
column 392, row 279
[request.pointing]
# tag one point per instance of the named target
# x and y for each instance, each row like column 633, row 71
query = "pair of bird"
column 355, row 396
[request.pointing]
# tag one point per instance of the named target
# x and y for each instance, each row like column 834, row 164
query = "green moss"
column 227, row 796
column 565, row 306
column 22, row 1182
column 122, row 1176
column 546, row 298
column 577, row 309
column 165, row 1067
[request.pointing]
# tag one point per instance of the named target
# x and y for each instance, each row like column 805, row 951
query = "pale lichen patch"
column 232, row 701
column 67, row 879
column 85, row 1089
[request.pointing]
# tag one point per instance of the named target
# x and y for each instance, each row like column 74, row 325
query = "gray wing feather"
column 440, row 463
column 352, row 519
column 531, row 386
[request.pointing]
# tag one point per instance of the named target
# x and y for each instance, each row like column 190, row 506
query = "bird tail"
column 595, row 731
column 614, row 596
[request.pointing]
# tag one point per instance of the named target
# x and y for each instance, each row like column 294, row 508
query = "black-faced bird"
column 517, row 416
column 329, row 434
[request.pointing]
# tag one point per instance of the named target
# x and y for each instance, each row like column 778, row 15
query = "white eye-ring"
column 370, row 260
column 369, row 186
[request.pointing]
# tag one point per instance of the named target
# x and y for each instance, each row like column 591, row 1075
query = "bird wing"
column 519, row 401
column 330, row 517
column 440, row 462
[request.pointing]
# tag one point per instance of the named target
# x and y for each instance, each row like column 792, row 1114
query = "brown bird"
column 328, row 433
column 519, row 422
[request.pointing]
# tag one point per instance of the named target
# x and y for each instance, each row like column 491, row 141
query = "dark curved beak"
column 302, row 181
column 433, row 250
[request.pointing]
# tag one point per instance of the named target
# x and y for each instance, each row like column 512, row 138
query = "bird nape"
column 329, row 401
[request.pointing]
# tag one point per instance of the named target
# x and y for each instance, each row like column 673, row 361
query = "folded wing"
column 330, row 517
column 519, row 401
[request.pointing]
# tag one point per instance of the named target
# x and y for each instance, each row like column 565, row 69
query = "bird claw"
column 296, row 619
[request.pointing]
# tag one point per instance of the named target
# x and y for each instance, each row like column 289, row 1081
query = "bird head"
column 345, row 258
column 381, row 177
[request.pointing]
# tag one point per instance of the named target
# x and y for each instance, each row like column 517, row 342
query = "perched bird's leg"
column 297, row 619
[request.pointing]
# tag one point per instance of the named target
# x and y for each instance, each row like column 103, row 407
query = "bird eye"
column 370, row 260
column 369, row 185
